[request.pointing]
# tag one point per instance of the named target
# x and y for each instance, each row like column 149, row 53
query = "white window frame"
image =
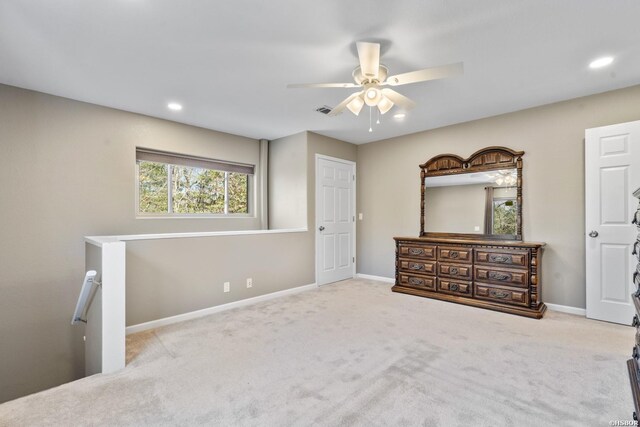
column 161, row 215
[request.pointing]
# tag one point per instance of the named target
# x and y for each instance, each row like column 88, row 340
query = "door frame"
column 318, row 157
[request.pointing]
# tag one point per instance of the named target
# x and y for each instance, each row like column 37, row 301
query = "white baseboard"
column 566, row 309
column 215, row 309
column 378, row 278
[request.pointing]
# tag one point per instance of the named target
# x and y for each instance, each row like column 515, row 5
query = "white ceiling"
column 228, row 62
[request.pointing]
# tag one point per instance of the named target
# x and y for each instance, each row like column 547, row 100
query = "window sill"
column 198, row 216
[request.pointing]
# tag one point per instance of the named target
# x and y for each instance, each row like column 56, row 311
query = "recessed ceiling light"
column 174, row 106
column 601, row 62
column 399, row 116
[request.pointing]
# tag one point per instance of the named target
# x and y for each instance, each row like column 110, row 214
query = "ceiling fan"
column 372, row 77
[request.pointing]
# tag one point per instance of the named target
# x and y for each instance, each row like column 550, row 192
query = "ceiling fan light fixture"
column 384, row 104
column 356, row 104
column 372, row 96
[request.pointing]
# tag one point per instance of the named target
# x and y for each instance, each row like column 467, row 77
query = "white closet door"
column 335, row 220
column 612, row 173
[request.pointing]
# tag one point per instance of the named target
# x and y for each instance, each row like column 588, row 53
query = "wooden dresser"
column 497, row 275
column 633, row 364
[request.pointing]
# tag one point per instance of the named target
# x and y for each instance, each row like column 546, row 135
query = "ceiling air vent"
column 325, row 109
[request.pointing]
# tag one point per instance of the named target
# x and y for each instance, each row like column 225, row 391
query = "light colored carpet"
column 354, row 353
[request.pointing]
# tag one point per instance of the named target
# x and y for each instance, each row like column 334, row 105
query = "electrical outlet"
column 249, row 283
column 227, row 286
column 476, row 228
column 360, row 216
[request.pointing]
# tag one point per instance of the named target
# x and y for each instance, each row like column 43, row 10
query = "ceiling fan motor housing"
column 361, row 79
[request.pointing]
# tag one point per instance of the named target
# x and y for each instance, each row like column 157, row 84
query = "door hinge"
column 354, row 177
column 354, row 259
column 354, row 219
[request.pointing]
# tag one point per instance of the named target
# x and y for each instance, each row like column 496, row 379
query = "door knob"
column 321, row 228
column 593, row 233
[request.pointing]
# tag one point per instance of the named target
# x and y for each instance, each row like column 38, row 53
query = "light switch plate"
column 227, row 286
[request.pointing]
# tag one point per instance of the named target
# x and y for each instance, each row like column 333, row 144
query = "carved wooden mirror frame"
column 490, row 158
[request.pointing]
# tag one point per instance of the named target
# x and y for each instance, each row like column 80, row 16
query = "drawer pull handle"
column 416, row 266
column 503, row 259
column 635, row 322
column 499, row 276
column 414, row 281
column 453, row 287
column 635, row 218
column 453, row 271
column 635, row 249
column 498, row 294
column 454, row 254
column 416, row 251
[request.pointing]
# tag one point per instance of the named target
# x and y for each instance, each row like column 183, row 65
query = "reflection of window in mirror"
column 503, row 210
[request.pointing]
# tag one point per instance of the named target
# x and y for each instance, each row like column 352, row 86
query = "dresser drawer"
column 514, row 258
column 417, row 266
column 501, row 294
column 458, row 271
column 417, row 281
column 454, row 254
column 455, row 287
column 417, row 251
column 504, row 276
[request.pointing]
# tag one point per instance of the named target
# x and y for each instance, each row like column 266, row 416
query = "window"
column 504, row 215
column 176, row 185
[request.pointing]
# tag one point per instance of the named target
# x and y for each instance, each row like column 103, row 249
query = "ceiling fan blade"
column 398, row 99
column 320, row 85
column 338, row 108
column 432, row 73
column 369, row 56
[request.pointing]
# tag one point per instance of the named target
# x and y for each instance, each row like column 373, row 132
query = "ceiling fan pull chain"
column 378, row 113
column 370, row 128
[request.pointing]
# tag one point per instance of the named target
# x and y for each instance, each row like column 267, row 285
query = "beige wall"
column 288, row 182
column 68, row 170
column 553, row 207
column 167, row 277
column 455, row 208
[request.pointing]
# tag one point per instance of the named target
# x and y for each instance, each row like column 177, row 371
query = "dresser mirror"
column 479, row 197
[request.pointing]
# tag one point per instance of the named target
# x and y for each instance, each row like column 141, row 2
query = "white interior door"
column 612, row 173
column 335, row 219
